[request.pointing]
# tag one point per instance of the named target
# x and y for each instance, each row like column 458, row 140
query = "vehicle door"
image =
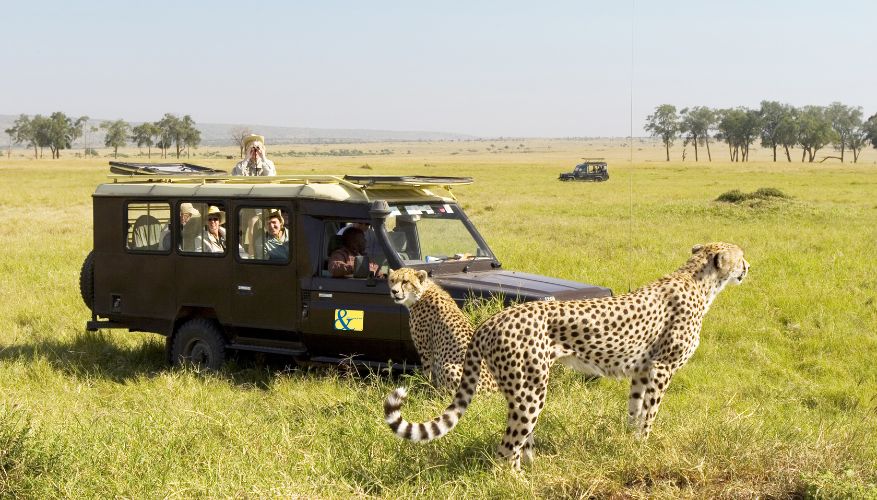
column 263, row 292
column 203, row 267
column 351, row 315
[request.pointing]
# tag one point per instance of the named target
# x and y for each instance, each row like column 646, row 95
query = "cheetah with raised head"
column 645, row 336
column 439, row 329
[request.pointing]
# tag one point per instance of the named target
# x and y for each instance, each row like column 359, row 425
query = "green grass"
column 780, row 399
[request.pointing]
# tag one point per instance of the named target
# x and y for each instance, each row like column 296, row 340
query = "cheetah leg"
column 659, row 379
column 527, row 452
column 427, row 367
column 524, row 409
column 635, row 400
column 451, row 373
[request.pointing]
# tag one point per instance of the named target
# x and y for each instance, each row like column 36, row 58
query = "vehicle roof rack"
column 133, row 168
column 187, row 173
column 408, row 180
column 598, row 158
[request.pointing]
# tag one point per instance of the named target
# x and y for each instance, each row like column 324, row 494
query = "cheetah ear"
column 391, row 273
column 722, row 261
column 422, row 275
column 696, row 248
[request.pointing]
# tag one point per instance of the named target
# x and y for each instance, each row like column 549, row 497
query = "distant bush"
column 737, row 196
column 733, row 196
column 765, row 193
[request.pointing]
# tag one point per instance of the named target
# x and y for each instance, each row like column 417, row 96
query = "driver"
column 342, row 261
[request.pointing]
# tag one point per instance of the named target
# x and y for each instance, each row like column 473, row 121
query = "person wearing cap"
column 187, row 212
column 212, row 239
column 256, row 162
column 276, row 237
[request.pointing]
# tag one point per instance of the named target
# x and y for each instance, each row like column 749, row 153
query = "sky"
column 485, row 68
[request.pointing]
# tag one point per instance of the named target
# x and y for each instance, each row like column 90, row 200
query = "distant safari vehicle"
column 592, row 169
column 155, row 268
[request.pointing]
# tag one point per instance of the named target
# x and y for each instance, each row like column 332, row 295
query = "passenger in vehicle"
column 187, row 212
column 372, row 248
column 256, row 163
column 212, row 239
column 276, row 237
column 343, row 260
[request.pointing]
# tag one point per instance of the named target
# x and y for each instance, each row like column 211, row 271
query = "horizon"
column 570, row 69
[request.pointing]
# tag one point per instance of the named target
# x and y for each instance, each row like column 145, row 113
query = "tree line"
column 779, row 127
column 58, row 131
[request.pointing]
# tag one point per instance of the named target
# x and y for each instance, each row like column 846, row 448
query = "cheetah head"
column 407, row 285
column 723, row 261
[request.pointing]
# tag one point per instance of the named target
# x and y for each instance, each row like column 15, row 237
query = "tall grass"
column 780, row 399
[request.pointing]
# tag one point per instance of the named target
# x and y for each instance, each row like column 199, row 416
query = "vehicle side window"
column 202, row 227
column 147, row 224
column 263, row 233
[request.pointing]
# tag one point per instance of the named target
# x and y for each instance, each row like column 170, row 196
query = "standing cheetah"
column 439, row 329
column 645, row 336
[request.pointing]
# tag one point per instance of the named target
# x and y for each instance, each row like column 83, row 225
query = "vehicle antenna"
column 630, row 153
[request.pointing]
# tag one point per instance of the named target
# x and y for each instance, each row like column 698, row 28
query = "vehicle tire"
column 199, row 342
column 86, row 281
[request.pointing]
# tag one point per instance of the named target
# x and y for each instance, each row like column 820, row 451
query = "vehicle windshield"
column 432, row 233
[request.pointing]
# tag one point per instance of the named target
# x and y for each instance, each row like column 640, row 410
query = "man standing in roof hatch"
column 256, row 162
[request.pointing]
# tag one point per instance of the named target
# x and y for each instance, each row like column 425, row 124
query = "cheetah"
column 644, row 336
column 439, row 329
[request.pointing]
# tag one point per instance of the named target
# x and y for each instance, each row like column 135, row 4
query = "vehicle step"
column 284, row 351
column 95, row 325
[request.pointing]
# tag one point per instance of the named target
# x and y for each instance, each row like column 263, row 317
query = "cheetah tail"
column 444, row 423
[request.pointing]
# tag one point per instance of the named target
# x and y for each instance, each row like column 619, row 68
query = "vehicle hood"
column 516, row 286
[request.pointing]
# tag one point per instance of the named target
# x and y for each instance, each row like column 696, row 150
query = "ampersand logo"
column 349, row 320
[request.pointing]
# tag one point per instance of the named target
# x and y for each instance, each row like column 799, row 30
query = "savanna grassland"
column 779, row 400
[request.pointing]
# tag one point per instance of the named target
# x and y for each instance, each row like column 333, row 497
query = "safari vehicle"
column 592, row 169
column 152, row 268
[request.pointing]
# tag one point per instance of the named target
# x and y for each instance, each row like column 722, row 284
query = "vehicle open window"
column 432, row 233
column 202, row 228
column 263, row 233
column 148, row 226
column 333, row 243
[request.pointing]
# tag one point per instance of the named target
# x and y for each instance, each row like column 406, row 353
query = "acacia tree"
column 814, row 131
column 117, row 135
column 168, row 127
column 870, row 128
column 189, row 136
column 61, row 133
column 695, row 123
column 143, row 135
column 664, row 124
column 739, row 127
column 844, row 120
column 22, row 132
column 857, row 140
column 238, row 134
column 787, row 130
column 772, row 115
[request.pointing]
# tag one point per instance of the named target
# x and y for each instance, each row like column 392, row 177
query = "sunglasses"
column 212, row 219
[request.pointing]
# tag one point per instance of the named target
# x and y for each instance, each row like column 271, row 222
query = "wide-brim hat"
column 188, row 208
column 214, row 210
column 253, row 138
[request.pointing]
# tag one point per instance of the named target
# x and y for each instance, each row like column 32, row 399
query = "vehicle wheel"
column 198, row 342
column 86, row 281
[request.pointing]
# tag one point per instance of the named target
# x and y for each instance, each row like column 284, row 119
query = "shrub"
column 733, row 196
column 765, row 193
column 737, row 196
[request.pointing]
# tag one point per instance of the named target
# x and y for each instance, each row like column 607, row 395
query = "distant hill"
column 219, row 134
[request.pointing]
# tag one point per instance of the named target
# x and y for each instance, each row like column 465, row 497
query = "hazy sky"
column 487, row 68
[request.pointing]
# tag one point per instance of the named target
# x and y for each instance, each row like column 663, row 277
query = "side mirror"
column 360, row 266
